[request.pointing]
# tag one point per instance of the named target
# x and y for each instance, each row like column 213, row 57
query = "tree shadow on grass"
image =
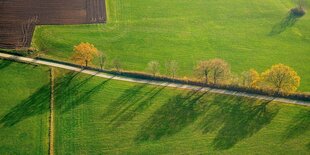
column 298, row 126
column 285, row 23
column 235, row 119
column 132, row 101
column 39, row 102
column 70, row 93
column 5, row 64
column 36, row 104
column 128, row 96
column 129, row 112
column 179, row 112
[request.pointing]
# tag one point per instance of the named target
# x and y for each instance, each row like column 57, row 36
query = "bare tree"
column 172, row 68
column 215, row 69
column 153, row 67
column 299, row 10
column 204, row 69
column 117, row 65
column 102, row 60
column 220, row 69
column 300, row 3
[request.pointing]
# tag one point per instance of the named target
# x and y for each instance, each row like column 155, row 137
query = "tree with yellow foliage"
column 84, row 53
column 250, row 78
column 282, row 78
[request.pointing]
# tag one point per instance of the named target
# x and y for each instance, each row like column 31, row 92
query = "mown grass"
column 23, row 117
column 95, row 115
column 103, row 116
column 247, row 34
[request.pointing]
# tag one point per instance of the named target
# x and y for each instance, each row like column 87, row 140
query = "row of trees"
column 280, row 78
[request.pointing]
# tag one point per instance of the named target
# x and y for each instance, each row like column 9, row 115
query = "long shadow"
column 236, row 119
column 5, row 64
column 36, row 104
column 39, row 102
column 129, row 112
column 69, row 92
column 298, row 126
column 179, row 112
column 285, row 23
column 128, row 97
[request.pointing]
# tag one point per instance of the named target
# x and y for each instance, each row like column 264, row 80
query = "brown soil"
column 19, row 17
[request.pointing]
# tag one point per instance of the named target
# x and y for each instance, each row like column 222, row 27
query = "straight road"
column 151, row 82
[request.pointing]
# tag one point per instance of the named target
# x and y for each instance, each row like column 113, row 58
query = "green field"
column 23, row 117
column 96, row 115
column 247, row 34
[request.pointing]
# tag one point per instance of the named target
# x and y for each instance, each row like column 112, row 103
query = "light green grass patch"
column 23, row 108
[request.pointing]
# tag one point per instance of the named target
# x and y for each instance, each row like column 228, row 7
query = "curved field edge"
column 247, row 34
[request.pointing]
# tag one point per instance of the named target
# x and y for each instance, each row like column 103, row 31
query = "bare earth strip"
column 135, row 80
column 52, row 115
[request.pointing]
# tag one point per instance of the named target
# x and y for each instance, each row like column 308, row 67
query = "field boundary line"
column 52, row 114
column 151, row 82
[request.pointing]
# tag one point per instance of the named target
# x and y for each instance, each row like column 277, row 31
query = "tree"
column 215, row 69
column 300, row 3
column 84, row 53
column 299, row 10
column 282, row 78
column 102, row 60
column 172, row 68
column 204, row 69
column 250, row 78
column 153, row 67
column 220, row 69
column 117, row 65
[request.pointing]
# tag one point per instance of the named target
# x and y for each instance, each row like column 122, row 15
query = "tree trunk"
column 206, row 76
column 214, row 79
column 86, row 63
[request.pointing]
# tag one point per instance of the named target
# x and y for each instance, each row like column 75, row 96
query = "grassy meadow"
column 103, row 116
column 95, row 115
column 247, row 34
column 23, row 117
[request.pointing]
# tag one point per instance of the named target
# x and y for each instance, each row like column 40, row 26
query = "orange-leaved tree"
column 282, row 78
column 84, row 53
column 250, row 78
